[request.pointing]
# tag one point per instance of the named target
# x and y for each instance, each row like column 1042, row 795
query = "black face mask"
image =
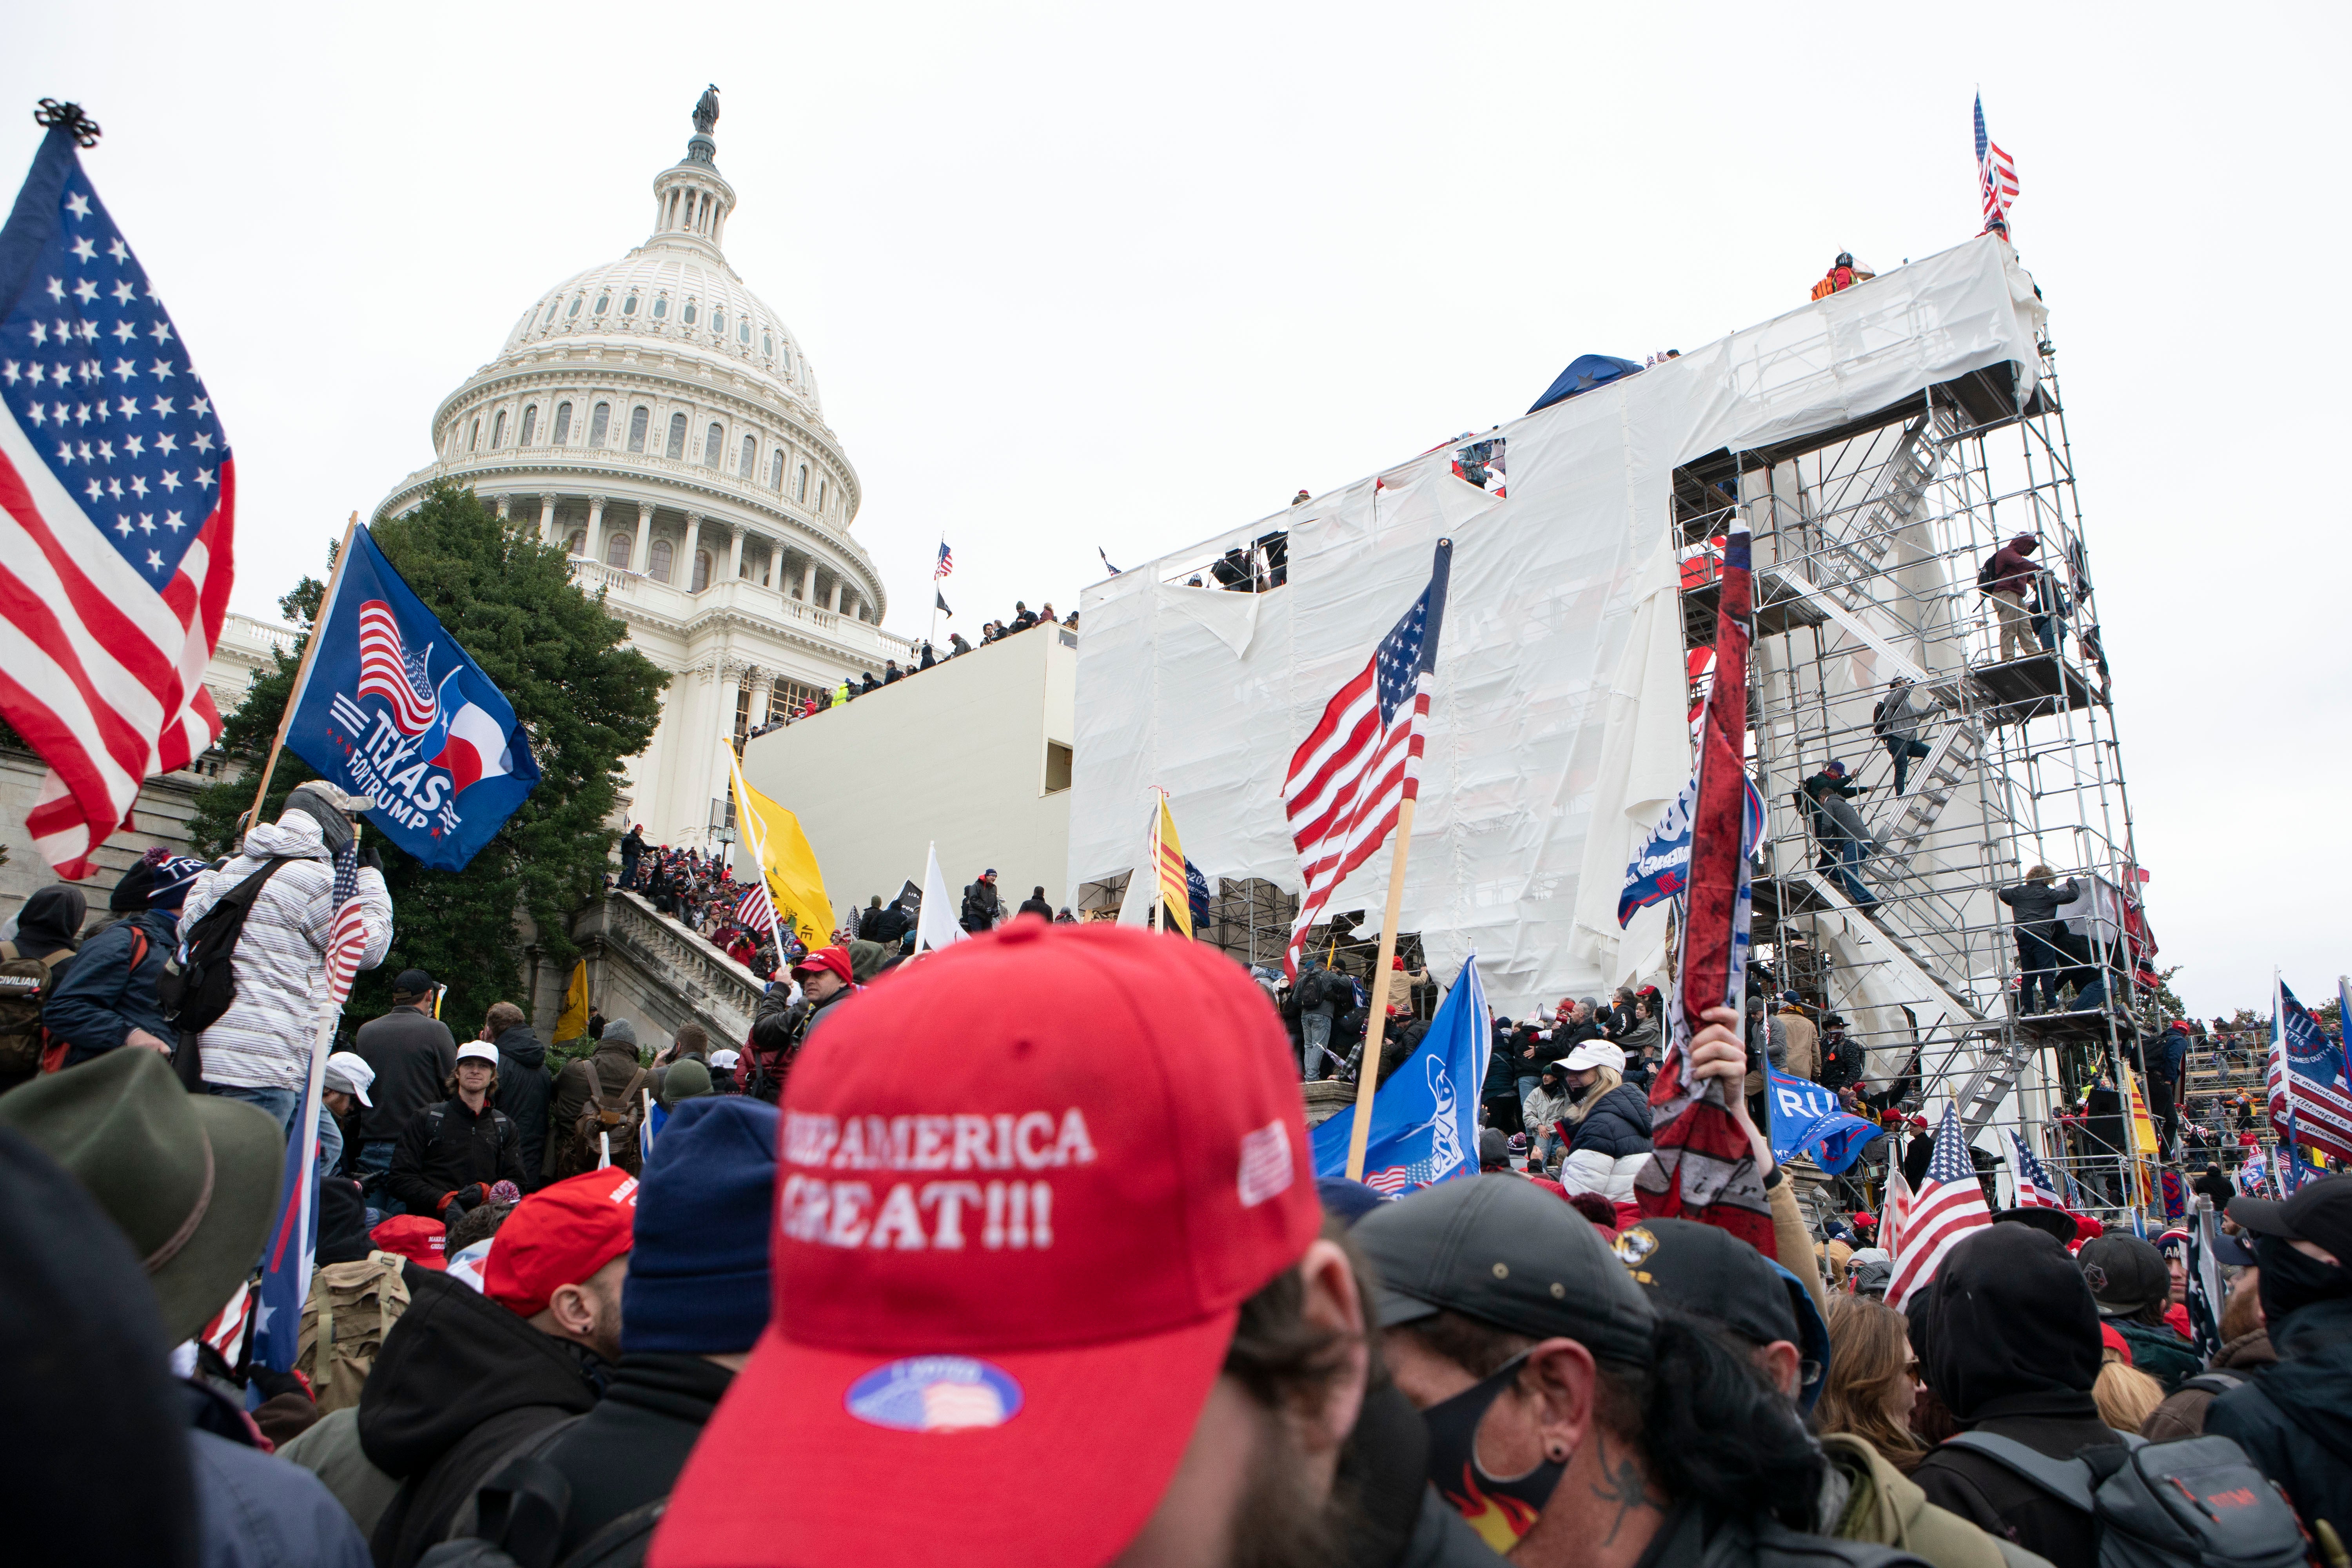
column 2291, row 1280
column 1500, row 1510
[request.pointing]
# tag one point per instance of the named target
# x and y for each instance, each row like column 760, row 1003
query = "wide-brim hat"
column 191, row 1179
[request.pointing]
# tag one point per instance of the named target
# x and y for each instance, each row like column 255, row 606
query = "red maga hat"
column 561, row 1236
column 1006, row 1275
column 832, row 958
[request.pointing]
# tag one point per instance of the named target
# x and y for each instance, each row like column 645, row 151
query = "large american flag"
column 1996, row 173
column 390, row 672
column 1948, row 1206
column 947, row 561
column 2310, row 1102
column 1362, row 759
column 116, row 514
column 2035, row 1190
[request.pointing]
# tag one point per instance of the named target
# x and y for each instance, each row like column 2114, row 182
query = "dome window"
column 563, row 425
column 820, row 497
column 616, row 548
column 578, row 543
column 573, row 313
column 629, row 305
column 677, row 435
column 701, row 572
column 661, row 306
column 768, row 345
column 549, row 319
column 499, row 431
column 787, row 362
column 530, row 424
column 744, row 332
column 801, row 494
column 599, row 422
column 657, row 567
column 601, row 301
column 474, row 441
column 711, row 440
column 638, row 420
column 750, row 465
column 719, row 321
column 776, row 469
column 689, row 317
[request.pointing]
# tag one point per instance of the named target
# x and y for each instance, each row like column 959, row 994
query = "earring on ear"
column 1557, row 1452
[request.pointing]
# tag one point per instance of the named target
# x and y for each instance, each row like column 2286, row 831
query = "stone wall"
column 160, row 816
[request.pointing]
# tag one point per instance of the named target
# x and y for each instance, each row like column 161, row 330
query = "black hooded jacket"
column 524, row 1089
column 461, row 1383
column 629, row 1450
column 50, row 920
column 2293, row 1419
column 2013, row 1348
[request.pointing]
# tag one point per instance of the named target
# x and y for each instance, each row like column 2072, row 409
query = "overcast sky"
column 1123, row 276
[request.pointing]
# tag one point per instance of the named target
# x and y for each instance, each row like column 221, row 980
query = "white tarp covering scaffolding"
column 1557, row 728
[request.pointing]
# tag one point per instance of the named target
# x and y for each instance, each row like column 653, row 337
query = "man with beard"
column 1032, row 1306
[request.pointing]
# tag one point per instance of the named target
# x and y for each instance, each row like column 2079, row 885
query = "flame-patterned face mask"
column 1500, row 1509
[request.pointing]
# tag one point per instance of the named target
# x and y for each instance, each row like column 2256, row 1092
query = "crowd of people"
column 922, row 657
column 1074, row 1284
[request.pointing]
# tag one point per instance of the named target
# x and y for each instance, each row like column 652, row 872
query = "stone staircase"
column 647, row 968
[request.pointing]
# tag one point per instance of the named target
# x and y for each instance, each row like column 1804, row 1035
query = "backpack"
column 199, row 981
column 24, row 986
column 351, row 1311
column 1840, row 1061
column 53, row 1046
column 607, row 1134
column 1986, row 574
column 2191, row 1502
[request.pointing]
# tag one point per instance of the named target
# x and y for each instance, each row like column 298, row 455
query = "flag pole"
column 759, row 852
column 1368, row 1070
column 302, row 674
column 933, row 632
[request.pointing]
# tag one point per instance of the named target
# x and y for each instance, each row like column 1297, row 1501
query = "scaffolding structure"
column 1868, row 540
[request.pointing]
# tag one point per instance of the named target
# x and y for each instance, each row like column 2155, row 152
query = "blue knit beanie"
column 697, row 1279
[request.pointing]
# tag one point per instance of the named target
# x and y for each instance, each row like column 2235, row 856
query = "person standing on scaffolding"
column 1895, row 721
column 2005, row 579
column 1843, row 836
column 2033, row 907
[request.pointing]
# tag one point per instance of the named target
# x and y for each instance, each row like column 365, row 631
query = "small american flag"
column 1949, row 1206
column 1362, row 760
column 1996, row 173
column 347, row 938
column 947, row 562
column 2035, row 1190
column 115, row 511
column 756, row 910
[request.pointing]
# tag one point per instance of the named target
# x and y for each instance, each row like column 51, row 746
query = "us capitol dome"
column 657, row 419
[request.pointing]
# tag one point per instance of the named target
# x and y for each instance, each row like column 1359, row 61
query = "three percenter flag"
column 1362, row 760
column 116, row 512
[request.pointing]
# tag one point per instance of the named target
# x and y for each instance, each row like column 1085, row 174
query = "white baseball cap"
column 1592, row 1054
column 479, row 1051
column 348, row 1073
column 725, row 1060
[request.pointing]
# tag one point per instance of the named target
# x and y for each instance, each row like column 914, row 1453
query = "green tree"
column 586, row 701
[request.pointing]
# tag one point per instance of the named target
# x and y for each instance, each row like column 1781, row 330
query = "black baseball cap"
column 411, row 986
column 1707, row 1272
column 2057, row 1222
column 2124, row 1272
column 1508, row 1253
column 2320, row 1213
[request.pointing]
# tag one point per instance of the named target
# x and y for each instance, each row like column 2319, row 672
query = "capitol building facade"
column 654, row 417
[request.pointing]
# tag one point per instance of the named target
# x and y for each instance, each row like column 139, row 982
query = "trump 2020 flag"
column 116, row 511
column 1425, row 1117
column 393, row 708
column 1808, row 1119
column 1661, row 867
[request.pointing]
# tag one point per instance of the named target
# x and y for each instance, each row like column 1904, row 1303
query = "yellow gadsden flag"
column 1175, row 892
column 575, row 1021
column 774, row 839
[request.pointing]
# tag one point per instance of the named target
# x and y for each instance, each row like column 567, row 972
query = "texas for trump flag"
column 116, row 512
column 392, row 707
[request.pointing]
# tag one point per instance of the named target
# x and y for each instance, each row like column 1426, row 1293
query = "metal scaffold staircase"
column 1932, row 781
column 1896, row 498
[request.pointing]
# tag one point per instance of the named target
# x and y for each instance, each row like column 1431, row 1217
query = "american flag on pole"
column 116, row 512
column 1996, row 173
column 1362, row 759
column 1895, row 1209
column 756, row 910
column 293, row 1244
column 1702, row 1166
column 947, row 561
column 2310, row 1100
column 1948, row 1206
column 2035, row 1190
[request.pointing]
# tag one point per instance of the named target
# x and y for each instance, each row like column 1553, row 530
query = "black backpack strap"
column 2215, row 1383
column 2068, row 1480
column 621, row 1540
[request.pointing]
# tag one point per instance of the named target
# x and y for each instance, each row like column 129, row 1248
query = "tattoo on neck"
column 1622, row 1482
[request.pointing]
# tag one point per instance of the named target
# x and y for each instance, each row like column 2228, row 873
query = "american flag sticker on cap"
column 1267, row 1168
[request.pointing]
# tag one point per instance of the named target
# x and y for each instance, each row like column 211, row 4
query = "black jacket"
column 524, row 1090
column 982, row 906
column 892, row 925
column 2293, row 1419
column 778, row 1028
column 2036, row 904
column 413, row 1056
column 1618, row 1126
column 633, row 844
column 446, row 1147
column 460, row 1383
column 1035, row 907
column 630, row 1448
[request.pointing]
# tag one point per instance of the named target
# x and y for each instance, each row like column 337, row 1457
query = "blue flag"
column 1807, row 1119
column 1660, row 868
column 393, row 708
column 1425, row 1117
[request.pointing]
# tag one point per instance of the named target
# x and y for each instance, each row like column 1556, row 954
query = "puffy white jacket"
column 264, row 1040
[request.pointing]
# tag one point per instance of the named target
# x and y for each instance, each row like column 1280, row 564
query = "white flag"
column 937, row 926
